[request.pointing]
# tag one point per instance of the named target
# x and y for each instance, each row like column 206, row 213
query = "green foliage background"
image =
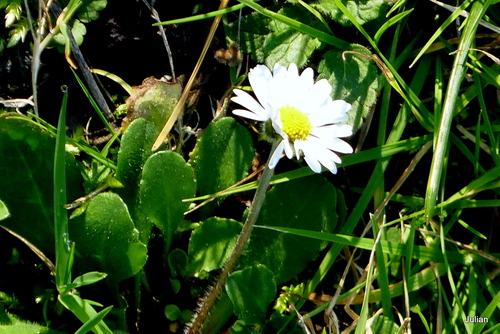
column 405, row 230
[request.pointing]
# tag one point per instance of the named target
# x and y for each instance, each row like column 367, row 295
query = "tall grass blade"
column 443, row 131
column 63, row 251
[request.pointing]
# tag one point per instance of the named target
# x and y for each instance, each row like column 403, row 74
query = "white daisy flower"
column 301, row 112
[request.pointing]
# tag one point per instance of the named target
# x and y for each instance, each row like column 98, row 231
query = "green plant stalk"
column 443, row 131
column 40, row 45
column 241, row 243
column 201, row 16
column 63, row 251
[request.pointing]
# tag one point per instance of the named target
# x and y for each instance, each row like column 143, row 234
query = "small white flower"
column 301, row 112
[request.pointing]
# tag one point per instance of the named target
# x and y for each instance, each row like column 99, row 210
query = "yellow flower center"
column 295, row 123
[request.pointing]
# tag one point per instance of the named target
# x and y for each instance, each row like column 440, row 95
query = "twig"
column 156, row 17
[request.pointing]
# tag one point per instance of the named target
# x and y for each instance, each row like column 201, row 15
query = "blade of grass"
column 84, row 311
column 113, row 77
column 494, row 304
column 494, row 145
column 317, row 14
column 363, row 316
column 322, row 36
column 383, row 275
column 488, row 180
column 94, row 104
column 443, row 131
column 202, row 16
column 93, row 321
column 63, row 251
column 440, row 30
column 451, row 281
column 392, row 76
column 388, row 247
column 389, row 23
column 360, row 157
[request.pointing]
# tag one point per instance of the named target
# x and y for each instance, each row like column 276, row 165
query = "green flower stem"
column 241, row 243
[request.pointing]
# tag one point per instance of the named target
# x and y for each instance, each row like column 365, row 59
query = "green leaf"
column 93, row 321
column 252, row 31
column 28, row 159
column 4, row 211
column 384, row 325
column 286, row 45
column 211, row 244
column 310, row 202
column 77, row 29
column 166, row 180
column 251, row 290
column 26, row 328
column 240, row 327
column 172, row 312
column 64, row 249
column 13, row 12
column 177, row 261
column 108, row 238
column 10, row 324
column 222, row 156
column 135, row 149
column 84, row 311
column 18, row 33
column 90, row 9
column 274, row 42
column 87, row 279
column 354, row 80
column 362, row 10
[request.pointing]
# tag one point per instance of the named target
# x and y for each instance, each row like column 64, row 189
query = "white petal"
column 279, row 87
column 308, row 75
column 288, row 148
column 337, row 145
column 328, row 162
column 260, row 78
column 314, row 151
column 293, row 72
column 298, row 87
column 316, row 96
column 246, row 100
column 250, row 115
column 340, row 146
column 279, row 71
column 330, row 113
column 321, row 90
column 276, row 156
column 313, row 164
column 332, row 131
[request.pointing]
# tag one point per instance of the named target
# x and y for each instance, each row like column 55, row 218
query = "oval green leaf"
column 166, row 180
column 251, row 290
column 211, row 244
column 135, row 149
column 108, row 238
column 222, row 156
column 27, row 161
column 309, row 202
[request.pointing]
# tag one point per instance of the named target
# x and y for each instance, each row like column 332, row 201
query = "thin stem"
column 241, row 243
